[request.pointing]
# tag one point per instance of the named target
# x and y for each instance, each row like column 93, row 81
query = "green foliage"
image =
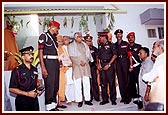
column 72, row 22
column 16, row 25
column 111, row 20
column 27, row 23
column 94, row 19
column 46, row 22
column 83, row 23
column 65, row 22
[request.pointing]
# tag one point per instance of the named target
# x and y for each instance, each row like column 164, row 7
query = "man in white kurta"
column 157, row 78
column 69, row 89
column 80, row 56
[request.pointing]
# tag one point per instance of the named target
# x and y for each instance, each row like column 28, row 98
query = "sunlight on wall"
column 34, row 24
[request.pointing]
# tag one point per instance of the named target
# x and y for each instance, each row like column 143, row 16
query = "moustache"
column 32, row 58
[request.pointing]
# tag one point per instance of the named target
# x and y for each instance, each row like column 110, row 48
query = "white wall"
column 130, row 21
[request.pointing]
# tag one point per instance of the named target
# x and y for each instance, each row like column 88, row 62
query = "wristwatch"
column 109, row 65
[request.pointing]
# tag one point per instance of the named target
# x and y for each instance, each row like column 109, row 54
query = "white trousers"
column 78, row 89
column 69, row 89
column 70, row 92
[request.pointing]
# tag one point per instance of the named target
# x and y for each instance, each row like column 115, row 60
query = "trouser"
column 122, row 69
column 70, row 92
column 153, row 106
column 70, row 89
column 108, row 77
column 134, row 82
column 94, row 84
column 82, row 87
column 52, row 80
column 24, row 103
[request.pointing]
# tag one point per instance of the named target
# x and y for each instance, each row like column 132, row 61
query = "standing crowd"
column 73, row 70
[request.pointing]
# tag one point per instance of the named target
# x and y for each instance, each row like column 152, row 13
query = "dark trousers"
column 134, row 82
column 154, row 107
column 52, row 81
column 24, row 103
column 122, row 69
column 94, row 89
column 108, row 78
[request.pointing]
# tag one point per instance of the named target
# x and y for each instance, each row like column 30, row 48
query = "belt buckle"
column 46, row 56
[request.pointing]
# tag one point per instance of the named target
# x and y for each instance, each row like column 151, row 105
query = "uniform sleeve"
column 96, row 51
column 14, row 79
column 113, row 49
column 99, row 52
column 129, row 52
column 41, row 41
column 36, row 73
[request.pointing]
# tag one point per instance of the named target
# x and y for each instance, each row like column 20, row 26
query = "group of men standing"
column 121, row 59
column 109, row 60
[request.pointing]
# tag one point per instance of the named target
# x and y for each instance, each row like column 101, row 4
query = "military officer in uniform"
column 93, row 67
column 107, row 55
column 48, row 55
column 122, row 66
column 24, row 81
column 134, row 69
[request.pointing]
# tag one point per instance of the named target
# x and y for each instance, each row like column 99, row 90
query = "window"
column 161, row 32
column 151, row 33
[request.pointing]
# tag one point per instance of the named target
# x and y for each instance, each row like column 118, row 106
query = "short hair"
column 160, row 43
column 146, row 50
column 77, row 33
column 154, row 43
column 66, row 36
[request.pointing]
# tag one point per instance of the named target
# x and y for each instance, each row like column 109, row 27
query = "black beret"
column 118, row 31
column 88, row 38
column 28, row 49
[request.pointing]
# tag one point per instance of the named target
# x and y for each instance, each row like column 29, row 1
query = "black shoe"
column 127, row 102
column 61, row 106
column 88, row 103
column 136, row 102
column 104, row 102
column 122, row 101
column 140, row 105
column 97, row 100
column 113, row 103
column 80, row 104
column 54, row 109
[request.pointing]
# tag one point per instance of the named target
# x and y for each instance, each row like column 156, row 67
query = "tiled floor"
column 96, row 107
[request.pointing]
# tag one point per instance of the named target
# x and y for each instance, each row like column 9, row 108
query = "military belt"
column 122, row 56
column 105, row 61
column 50, row 57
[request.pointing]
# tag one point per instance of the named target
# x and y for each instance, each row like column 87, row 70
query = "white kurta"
column 81, row 74
column 158, row 78
column 69, row 89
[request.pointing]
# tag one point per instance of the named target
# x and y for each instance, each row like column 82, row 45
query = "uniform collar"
column 24, row 66
column 50, row 34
